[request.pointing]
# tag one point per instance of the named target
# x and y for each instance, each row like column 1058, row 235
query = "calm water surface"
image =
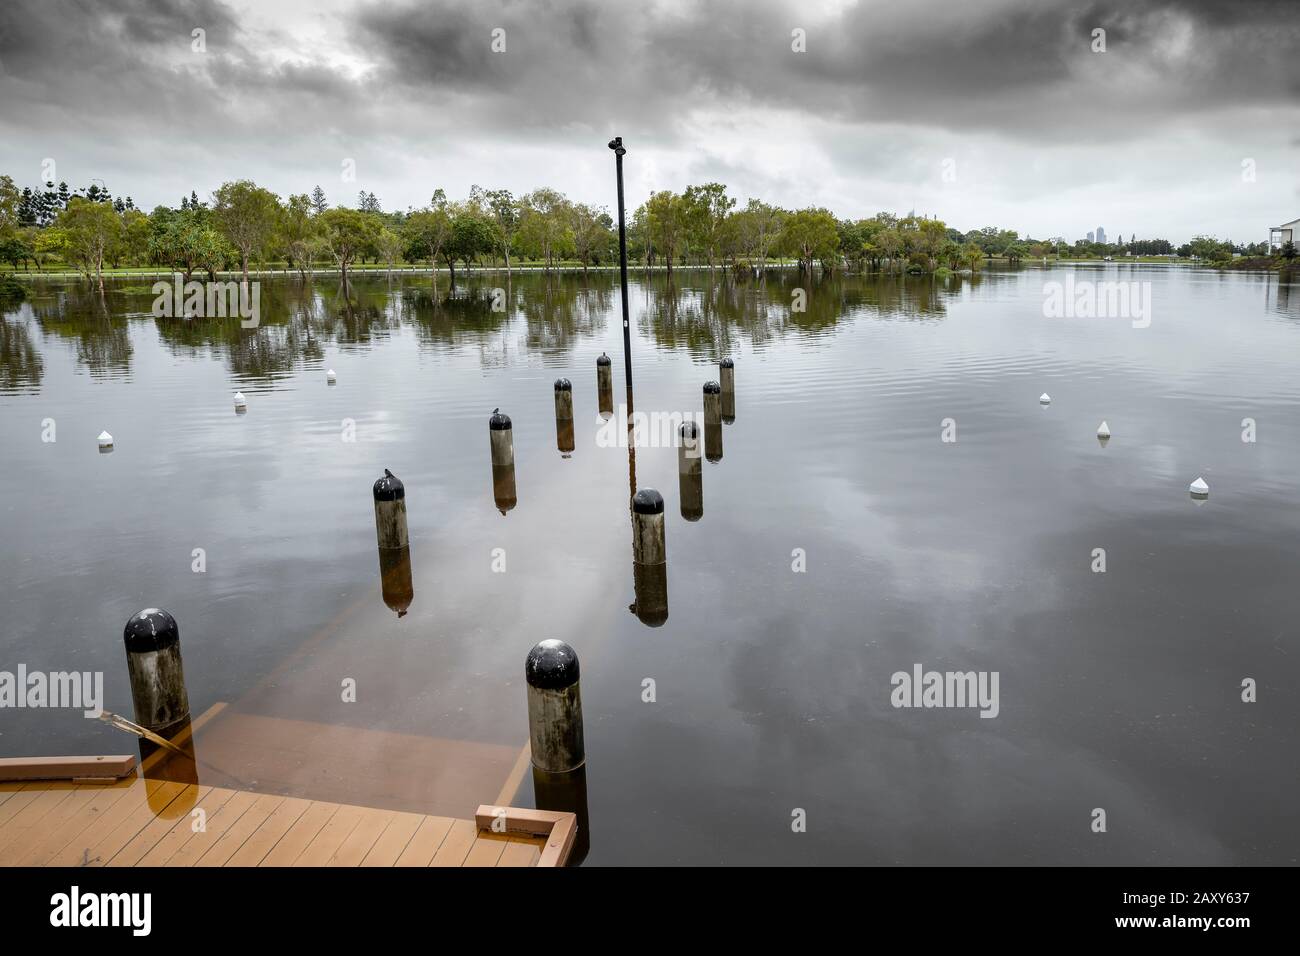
column 1118, row 690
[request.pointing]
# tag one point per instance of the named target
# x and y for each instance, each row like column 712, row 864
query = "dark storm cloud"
column 1022, row 68
column 288, row 92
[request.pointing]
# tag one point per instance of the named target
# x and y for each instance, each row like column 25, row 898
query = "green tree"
column 544, row 229
column 245, row 214
column 472, row 235
column 707, row 208
column 667, row 217
column 590, row 227
column 345, row 234
column 297, row 232
column 505, row 213
column 389, row 246
column 811, row 234
column 759, row 229
column 426, row 232
column 11, row 205
column 186, row 242
column 86, row 230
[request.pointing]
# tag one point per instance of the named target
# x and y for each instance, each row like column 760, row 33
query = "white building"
column 1279, row 236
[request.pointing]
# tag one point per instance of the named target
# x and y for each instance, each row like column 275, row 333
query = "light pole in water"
column 616, row 144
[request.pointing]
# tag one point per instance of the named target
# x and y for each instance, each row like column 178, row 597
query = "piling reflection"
column 690, row 472
column 567, row 793
column 174, row 766
column 395, row 580
column 650, row 587
column 503, row 487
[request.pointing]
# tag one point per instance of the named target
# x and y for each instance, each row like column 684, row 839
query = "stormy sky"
column 996, row 112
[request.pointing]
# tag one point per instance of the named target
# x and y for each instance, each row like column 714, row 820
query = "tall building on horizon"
column 1090, row 237
column 1101, row 234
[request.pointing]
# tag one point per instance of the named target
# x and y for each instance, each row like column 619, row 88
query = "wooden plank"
column 459, row 841
column 518, row 819
column 112, row 767
column 360, row 840
column 266, row 836
column 394, row 840
column 48, row 796
column 215, row 827
column 94, row 845
column 18, row 800
column 68, row 810
column 520, row 851
column 427, row 841
column 238, row 833
column 179, row 833
column 559, row 843
column 304, row 830
column 486, row 849
column 558, row 827
column 330, row 837
column 147, row 836
column 105, row 798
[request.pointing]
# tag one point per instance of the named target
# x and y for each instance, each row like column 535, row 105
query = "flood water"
column 772, row 686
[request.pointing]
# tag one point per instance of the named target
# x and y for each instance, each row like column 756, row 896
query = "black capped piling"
column 390, row 512
column 564, row 416
column 501, row 434
column 153, row 661
column 648, row 527
column 727, row 377
column 605, row 385
column 649, row 558
column 554, row 707
column 563, row 398
column 690, row 471
column 713, row 421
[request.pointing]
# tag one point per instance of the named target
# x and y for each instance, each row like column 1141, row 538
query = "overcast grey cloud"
column 1045, row 135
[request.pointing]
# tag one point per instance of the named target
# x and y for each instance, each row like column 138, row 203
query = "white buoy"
column 1199, row 488
column 105, row 440
column 240, row 401
column 1044, row 399
column 1103, row 430
column 330, row 377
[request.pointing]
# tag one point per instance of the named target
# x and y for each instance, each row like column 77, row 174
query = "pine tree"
column 318, row 202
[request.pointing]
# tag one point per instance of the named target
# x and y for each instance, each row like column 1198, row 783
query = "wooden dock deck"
column 141, row 822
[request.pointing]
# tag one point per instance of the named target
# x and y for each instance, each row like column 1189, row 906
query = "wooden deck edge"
column 108, row 767
column 557, row 827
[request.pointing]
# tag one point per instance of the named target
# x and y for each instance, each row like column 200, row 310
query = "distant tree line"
column 242, row 224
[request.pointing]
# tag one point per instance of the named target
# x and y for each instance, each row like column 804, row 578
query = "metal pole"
column 616, row 144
